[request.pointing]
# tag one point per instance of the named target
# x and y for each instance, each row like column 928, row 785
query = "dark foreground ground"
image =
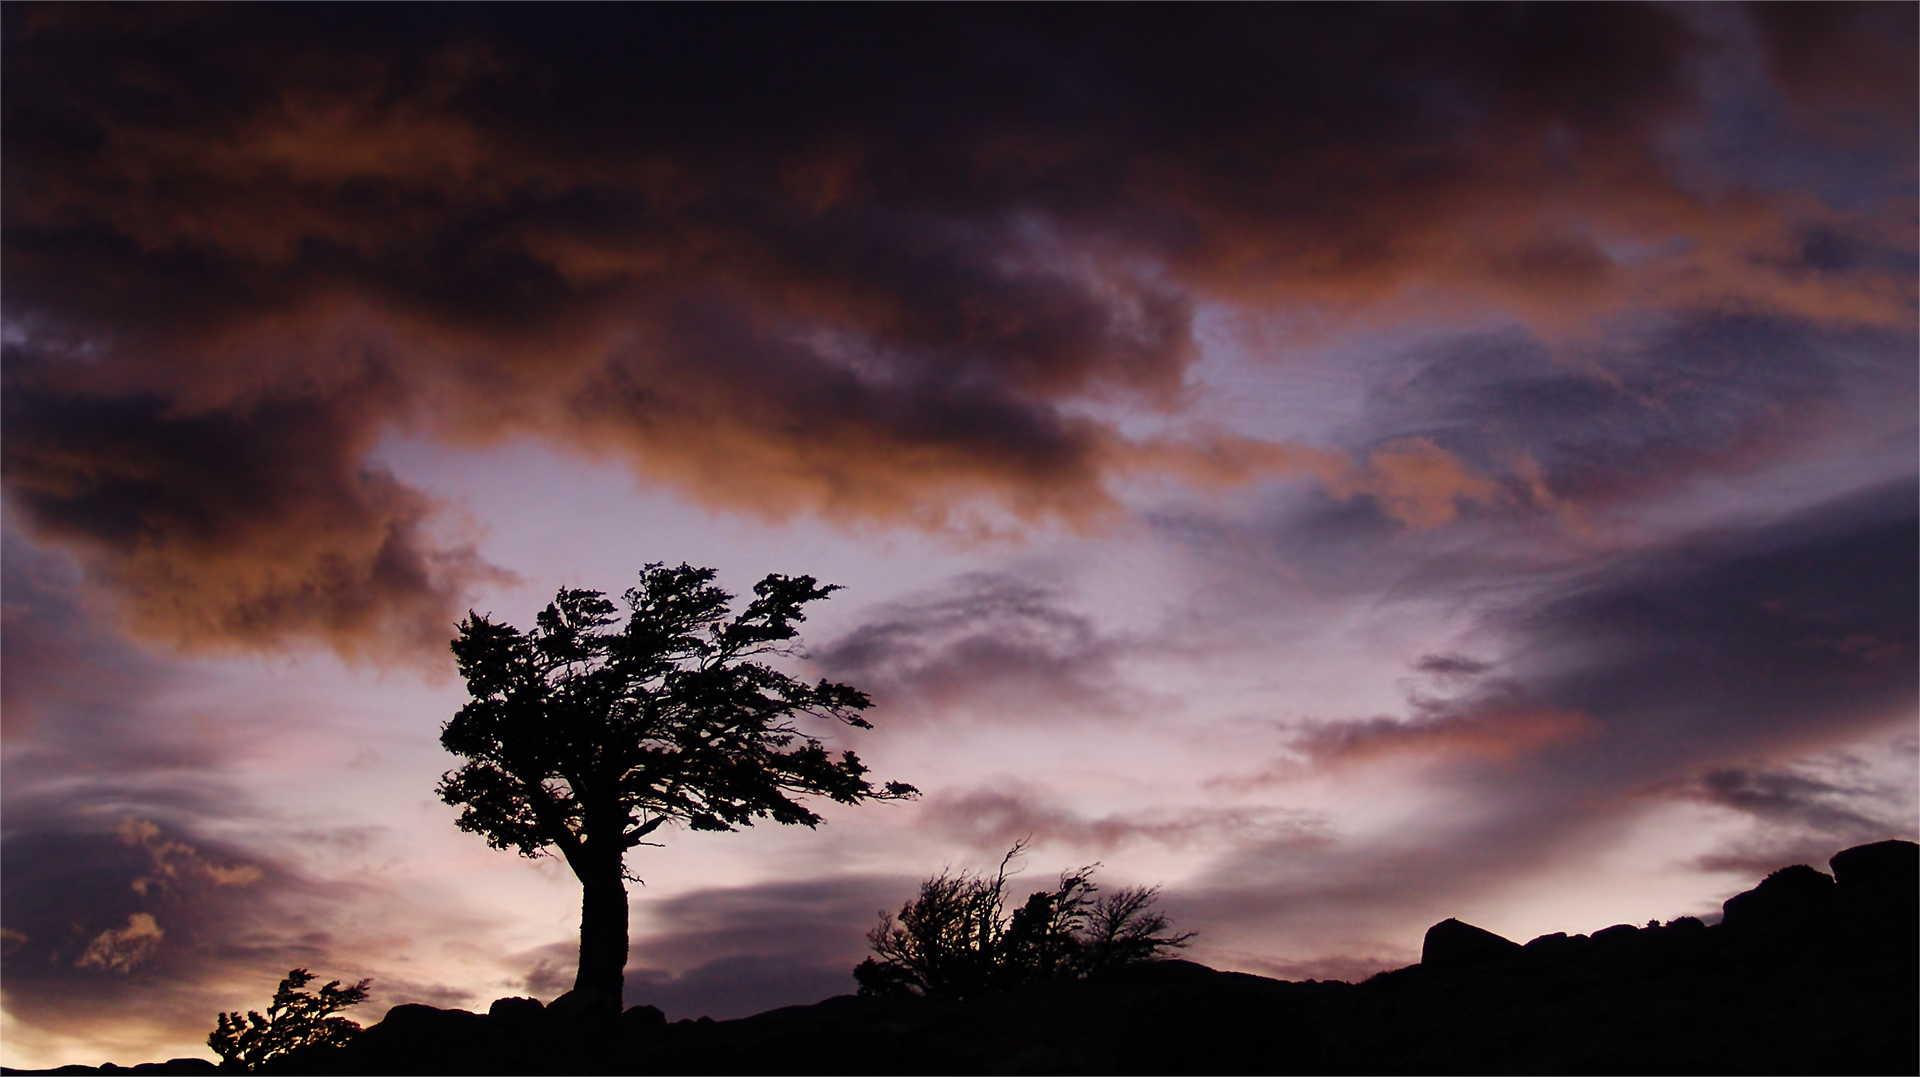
column 1809, row 973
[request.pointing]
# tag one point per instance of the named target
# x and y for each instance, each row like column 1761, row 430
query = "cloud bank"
column 878, row 271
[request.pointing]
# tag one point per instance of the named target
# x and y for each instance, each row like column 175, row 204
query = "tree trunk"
column 603, row 934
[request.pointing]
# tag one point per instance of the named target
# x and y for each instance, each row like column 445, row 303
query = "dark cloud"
column 1706, row 668
column 54, row 657
column 1493, row 734
column 994, row 646
column 1840, row 58
column 1741, row 641
column 731, row 952
column 870, row 267
column 235, row 526
column 1784, row 795
column 1348, row 908
column 1806, row 809
column 1700, row 652
column 1451, row 666
column 1459, row 714
column 550, row 968
column 81, row 701
column 1579, row 453
column 991, row 820
column 1585, row 428
column 741, row 986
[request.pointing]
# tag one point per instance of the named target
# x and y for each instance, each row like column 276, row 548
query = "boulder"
column 415, row 1019
column 1616, row 941
column 517, row 1011
column 1451, row 944
column 637, row 1017
column 1885, row 871
column 1787, row 899
column 414, row 1038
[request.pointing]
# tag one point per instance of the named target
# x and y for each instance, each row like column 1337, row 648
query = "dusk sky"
column 1349, row 466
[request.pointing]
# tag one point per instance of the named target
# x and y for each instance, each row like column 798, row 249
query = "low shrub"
column 958, row 938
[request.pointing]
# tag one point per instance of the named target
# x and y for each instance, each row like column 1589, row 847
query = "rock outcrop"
column 1451, row 944
column 1786, row 900
column 1883, row 873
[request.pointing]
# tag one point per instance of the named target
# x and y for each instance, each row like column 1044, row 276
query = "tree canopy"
column 586, row 735
column 296, row 1019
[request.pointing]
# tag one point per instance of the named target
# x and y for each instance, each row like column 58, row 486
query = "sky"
column 1348, row 466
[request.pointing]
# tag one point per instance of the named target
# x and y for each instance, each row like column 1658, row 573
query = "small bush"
column 957, row 939
column 295, row 1019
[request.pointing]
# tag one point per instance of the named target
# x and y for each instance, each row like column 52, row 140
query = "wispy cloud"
column 991, row 820
column 991, row 645
column 730, row 952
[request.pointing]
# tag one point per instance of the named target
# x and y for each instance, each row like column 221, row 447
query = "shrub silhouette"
column 295, row 1019
column 956, row 939
column 585, row 736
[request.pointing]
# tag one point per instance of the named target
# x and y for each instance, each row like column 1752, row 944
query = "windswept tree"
column 959, row 939
column 296, row 1019
column 585, row 735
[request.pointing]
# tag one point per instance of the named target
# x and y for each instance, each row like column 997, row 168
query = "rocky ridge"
column 1807, row 973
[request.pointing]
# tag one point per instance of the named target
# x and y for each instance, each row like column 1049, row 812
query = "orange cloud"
column 888, row 305
column 1415, row 482
column 237, row 527
column 175, row 862
column 123, row 949
column 1500, row 735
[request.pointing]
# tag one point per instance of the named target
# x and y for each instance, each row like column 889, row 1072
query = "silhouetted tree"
column 585, row 735
column 296, row 1018
column 956, row 938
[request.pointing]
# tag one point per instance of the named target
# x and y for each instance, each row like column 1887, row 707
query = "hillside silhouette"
column 1807, row 973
